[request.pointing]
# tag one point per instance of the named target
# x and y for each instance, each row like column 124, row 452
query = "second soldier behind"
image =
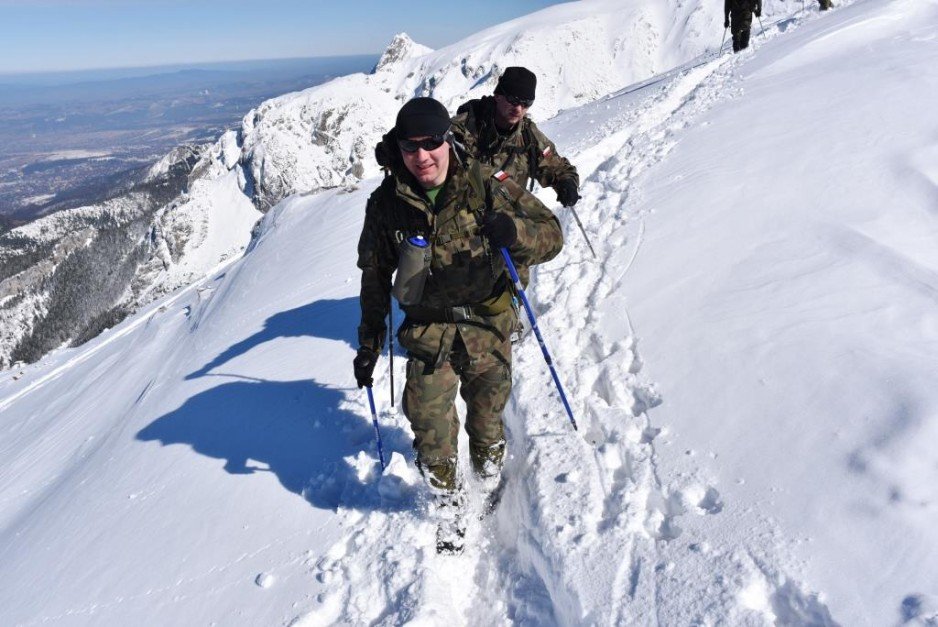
column 496, row 130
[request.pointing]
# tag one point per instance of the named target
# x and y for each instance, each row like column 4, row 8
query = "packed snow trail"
column 584, row 530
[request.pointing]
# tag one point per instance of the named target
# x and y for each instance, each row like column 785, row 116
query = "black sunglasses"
column 428, row 143
column 514, row 101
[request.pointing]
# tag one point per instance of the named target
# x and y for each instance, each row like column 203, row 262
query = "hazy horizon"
column 117, row 72
column 70, row 137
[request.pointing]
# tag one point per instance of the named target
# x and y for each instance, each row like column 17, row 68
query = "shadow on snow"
column 296, row 430
column 293, row 429
column 328, row 319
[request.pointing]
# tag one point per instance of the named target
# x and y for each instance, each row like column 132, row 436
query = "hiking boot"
column 439, row 475
column 487, row 462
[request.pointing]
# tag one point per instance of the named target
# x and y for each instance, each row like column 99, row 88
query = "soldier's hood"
column 482, row 108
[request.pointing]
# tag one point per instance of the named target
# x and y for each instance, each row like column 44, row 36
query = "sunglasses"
column 516, row 102
column 428, row 143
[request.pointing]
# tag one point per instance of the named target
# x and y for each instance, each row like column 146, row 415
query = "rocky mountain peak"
column 401, row 48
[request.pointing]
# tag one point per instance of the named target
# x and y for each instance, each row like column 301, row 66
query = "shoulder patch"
column 546, row 152
column 501, row 175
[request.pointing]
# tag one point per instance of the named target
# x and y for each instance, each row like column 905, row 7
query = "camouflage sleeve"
column 462, row 135
column 540, row 237
column 551, row 167
column 377, row 261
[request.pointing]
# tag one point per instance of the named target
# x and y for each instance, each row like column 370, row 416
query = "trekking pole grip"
column 537, row 332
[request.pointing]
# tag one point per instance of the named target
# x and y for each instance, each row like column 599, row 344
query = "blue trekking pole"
column 537, row 332
column 374, row 421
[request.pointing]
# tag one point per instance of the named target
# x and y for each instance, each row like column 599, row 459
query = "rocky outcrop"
column 66, row 277
column 402, row 48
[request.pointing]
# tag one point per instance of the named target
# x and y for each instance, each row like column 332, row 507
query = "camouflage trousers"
column 484, row 382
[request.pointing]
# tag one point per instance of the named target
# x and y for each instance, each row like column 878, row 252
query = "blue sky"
column 46, row 35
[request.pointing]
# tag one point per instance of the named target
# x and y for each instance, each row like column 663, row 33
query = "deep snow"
column 749, row 361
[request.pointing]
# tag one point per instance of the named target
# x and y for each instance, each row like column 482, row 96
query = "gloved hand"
column 364, row 364
column 499, row 229
column 567, row 193
column 758, row 13
column 726, row 23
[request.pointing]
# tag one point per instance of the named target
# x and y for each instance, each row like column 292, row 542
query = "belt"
column 461, row 313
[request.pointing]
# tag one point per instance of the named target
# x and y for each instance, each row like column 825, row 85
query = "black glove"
column 726, row 23
column 758, row 13
column 567, row 193
column 499, row 229
column 364, row 364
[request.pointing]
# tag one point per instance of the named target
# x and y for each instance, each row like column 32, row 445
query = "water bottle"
column 413, row 267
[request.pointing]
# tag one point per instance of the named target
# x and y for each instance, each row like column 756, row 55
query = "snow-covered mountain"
column 750, row 359
column 319, row 138
column 324, row 136
column 66, row 277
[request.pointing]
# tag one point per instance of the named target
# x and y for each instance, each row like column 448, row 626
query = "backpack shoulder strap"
column 477, row 199
column 533, row 150
column 402, row 223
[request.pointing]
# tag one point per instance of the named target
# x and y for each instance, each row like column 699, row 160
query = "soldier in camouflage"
column 741, row 23
column 457, row 333
column 496, row 130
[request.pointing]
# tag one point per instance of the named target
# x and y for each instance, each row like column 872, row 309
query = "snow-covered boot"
column 449, row 510
column 448, row 505
column 487, row 464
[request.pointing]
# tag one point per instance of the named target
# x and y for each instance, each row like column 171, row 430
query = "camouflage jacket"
column 523, row 154
column 463, row 268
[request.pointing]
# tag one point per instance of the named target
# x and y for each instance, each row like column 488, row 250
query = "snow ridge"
column 573, row 500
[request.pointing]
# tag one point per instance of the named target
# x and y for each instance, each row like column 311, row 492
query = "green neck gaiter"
column 432, row 193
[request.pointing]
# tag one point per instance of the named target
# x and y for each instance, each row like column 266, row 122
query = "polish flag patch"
column 501, row 175
column 546, row 151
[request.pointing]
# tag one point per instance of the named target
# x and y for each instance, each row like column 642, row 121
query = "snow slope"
column 748, row 359
column 325, row 136
column 322, row 137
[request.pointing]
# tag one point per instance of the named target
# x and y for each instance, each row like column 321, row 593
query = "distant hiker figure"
column 737, row 16
column 496, row 130
column 440, row 222
column 825, row 4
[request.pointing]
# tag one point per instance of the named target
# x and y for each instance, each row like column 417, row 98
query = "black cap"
column 518, row 82
column 420, row 117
